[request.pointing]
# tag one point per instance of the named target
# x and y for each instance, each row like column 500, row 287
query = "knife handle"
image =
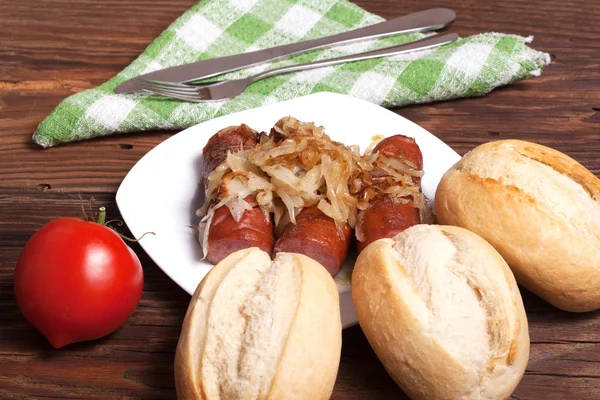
column 422, row 21
column 419, row 45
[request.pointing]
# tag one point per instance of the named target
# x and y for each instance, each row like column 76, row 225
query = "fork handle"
column 423, row 44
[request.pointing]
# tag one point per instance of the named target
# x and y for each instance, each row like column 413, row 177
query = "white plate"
column 161, row 192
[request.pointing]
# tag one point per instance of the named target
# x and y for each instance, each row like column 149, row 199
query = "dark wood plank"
column 50, row 49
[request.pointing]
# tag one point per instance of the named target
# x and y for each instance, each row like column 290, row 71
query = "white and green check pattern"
column 214, row 28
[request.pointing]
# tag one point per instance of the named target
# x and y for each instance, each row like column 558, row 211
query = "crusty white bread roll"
column 539, row 208
column 261, row 329
column 443, row 313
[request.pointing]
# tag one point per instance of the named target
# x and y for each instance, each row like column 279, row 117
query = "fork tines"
column 176, row 90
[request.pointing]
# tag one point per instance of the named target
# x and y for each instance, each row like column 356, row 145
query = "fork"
column 421, row 21
column 229, row 89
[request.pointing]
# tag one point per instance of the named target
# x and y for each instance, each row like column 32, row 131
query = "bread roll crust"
column 539, row 208
column 281, row 339
column 413, row 314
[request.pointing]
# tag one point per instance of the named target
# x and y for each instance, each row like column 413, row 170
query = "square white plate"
column 161, row 192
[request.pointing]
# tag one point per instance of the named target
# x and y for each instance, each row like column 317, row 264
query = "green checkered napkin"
column 215, row 28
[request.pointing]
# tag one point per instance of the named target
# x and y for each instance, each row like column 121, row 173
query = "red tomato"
column 77, row 280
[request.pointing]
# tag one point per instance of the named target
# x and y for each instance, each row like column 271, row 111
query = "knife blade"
column 422, row 21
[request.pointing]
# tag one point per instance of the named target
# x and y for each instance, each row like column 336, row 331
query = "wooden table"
column 50, row 49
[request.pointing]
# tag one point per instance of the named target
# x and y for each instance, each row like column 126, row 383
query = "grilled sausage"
column 255, row 228
column 386, row 217
column 316, row 235
column 232, row 138
column 226, row 236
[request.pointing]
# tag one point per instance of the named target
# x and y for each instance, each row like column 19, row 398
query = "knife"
column 422, row 21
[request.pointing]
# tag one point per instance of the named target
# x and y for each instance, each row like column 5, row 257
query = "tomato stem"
column 102, row 216
column 135, row 240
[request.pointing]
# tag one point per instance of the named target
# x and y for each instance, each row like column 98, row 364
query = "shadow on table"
column 16, row 334
column 540, row 312
column 195, row 203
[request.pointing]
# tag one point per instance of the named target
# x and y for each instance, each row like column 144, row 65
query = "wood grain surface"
column 50, row 49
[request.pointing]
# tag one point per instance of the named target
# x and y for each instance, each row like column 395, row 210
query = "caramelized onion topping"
column 297, row 165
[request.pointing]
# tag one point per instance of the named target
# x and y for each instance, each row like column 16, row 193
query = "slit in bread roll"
column 260, row 329
column 539, row 208
column 443, row 313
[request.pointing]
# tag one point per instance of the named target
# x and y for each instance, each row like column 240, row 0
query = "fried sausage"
column 386, row 217
column 255, row 228
column 403, row 147
column 227, row 236
column 232, row 138
column 316, row 235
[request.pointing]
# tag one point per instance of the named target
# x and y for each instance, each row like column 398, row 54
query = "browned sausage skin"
column 226, row 236
column 402, row 147
column 255, row 228
column 230, row 139
column 386, row 217
column 316, row 235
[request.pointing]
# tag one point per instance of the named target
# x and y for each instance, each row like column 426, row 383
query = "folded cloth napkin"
column 214, row 28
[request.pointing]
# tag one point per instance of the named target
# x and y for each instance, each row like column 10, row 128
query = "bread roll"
column 539, row 209
column 260, row 329
column 443, row 313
